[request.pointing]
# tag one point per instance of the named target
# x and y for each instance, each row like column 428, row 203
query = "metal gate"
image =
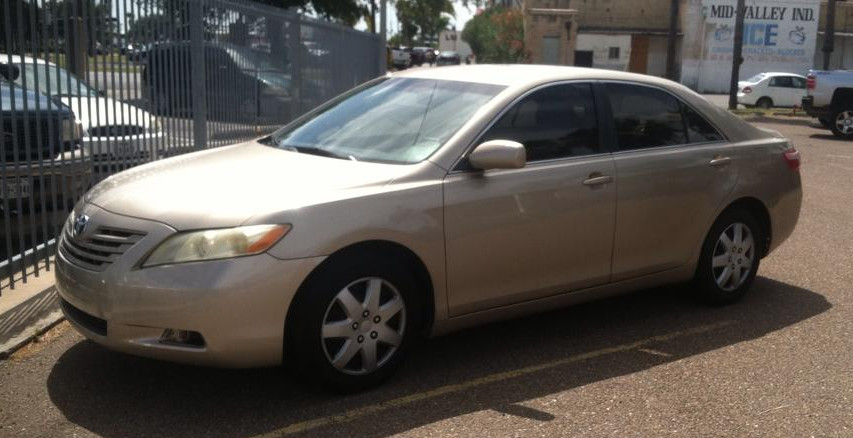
column 93, row 87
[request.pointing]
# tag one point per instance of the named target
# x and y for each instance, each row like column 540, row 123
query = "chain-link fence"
column 93, row 87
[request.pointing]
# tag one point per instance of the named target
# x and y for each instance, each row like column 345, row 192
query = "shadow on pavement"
column 491, row 367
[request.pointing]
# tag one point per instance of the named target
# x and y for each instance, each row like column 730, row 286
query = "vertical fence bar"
column 197, row 55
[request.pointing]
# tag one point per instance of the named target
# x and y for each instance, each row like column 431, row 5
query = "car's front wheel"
column 354, row 322
column 730, row 258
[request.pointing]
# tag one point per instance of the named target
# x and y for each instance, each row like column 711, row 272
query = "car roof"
column 512, row 75
column 16, row 59
column 780, row 73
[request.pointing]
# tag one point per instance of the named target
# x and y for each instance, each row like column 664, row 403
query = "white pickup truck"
column 830, row 99
column 401, row 57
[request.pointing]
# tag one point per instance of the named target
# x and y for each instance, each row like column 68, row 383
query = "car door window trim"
column 616, row 148
column 604, row 148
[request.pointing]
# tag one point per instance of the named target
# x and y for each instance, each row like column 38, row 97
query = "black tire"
column 826, row 123
column 764, row 103
column 840, row 115
column 305, row 348
column 705, row 279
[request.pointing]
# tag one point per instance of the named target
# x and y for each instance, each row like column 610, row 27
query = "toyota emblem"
column 79, row 226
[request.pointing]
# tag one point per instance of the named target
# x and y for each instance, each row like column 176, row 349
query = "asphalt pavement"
column 653, row 363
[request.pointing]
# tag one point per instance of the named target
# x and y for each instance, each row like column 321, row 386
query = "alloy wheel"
column 844, row 122
column 363, row 326
column 734, row 256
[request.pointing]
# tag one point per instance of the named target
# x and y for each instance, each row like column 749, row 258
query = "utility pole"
column 383, row 37
column 672, row 40
column 829, row 35
column 737, row 52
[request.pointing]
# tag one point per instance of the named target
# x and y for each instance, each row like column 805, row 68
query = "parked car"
column 420, row 203
column 114, row 131
column 425, row 55
column 242, row 84
column 400, row 58
column 419, row 55
column 448, row 58
column 43, row 168
column 830, row 100
column 767, row 90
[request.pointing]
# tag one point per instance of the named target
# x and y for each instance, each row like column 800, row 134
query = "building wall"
column 650, row 15
column 600, row 45
column 451, row 40
column 548, row 19
column 782, row 41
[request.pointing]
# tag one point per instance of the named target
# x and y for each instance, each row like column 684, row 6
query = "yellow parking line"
column 354, row 414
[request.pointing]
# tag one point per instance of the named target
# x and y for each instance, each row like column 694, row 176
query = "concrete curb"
column 24, row 322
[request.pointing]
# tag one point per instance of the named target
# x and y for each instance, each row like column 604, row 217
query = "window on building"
column 614, row 53
column 553, row 122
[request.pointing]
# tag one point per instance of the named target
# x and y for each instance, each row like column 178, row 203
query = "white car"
column 767, row 90
column 113, row 130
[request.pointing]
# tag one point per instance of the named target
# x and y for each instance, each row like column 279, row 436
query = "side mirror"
column 498, row 154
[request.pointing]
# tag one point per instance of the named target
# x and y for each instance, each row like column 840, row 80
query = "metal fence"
column 93, row 87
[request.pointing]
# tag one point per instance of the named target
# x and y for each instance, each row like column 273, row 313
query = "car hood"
column 228, row 186
column 103, row 111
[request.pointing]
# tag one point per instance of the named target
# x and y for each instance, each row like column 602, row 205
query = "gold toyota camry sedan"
column 421, row 203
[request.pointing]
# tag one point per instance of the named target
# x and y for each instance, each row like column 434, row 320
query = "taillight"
column 746, row 90
column 792, row 157
column 811, row 81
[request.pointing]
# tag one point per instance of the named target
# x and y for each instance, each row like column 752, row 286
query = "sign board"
column 779, row 35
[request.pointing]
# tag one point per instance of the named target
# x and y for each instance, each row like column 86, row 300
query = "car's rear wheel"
column 730, row 258
column 842, row 126
column 764, row 103
column 354, row 322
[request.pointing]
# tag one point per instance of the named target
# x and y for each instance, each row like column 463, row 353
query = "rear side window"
column 645, row 117
column 554, row 122
column 782, row 81
column 698, row 129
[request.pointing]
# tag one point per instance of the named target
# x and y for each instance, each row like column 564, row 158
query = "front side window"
column 798, row 82
column 553, row 122
column 645, row 117
column 396, row 120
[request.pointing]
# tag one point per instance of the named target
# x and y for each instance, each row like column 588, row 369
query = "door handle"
column 597, row 180
column 720, row 161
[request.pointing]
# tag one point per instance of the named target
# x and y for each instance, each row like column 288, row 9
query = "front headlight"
column 216, row 244
column 70, row 130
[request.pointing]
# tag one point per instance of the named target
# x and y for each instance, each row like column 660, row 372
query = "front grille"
column 116, row 130
column 32, row 139
column 94, row 324
column 98, row 251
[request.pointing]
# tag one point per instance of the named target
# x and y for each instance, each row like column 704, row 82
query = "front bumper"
column 809, row 108
column 237, row 305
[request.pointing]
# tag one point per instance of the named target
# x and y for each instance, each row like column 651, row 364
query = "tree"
column 424, row 17
column 496, row 35
column 344, row 11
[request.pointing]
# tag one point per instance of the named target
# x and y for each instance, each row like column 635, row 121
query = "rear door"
column 674, row 169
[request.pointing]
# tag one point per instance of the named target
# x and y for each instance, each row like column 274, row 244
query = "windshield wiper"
column 311, row 150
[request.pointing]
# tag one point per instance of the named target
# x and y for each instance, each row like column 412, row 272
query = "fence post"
column 199, row 89
column 294, row 37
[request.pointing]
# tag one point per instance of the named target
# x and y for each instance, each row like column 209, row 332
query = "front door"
column 674, row 170
column 515, row 235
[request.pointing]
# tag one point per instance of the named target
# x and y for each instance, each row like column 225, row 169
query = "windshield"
column 53, row 81
column 398, row 120
column 757, row 78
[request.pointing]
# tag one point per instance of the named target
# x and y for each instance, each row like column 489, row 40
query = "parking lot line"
column 355, row 414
